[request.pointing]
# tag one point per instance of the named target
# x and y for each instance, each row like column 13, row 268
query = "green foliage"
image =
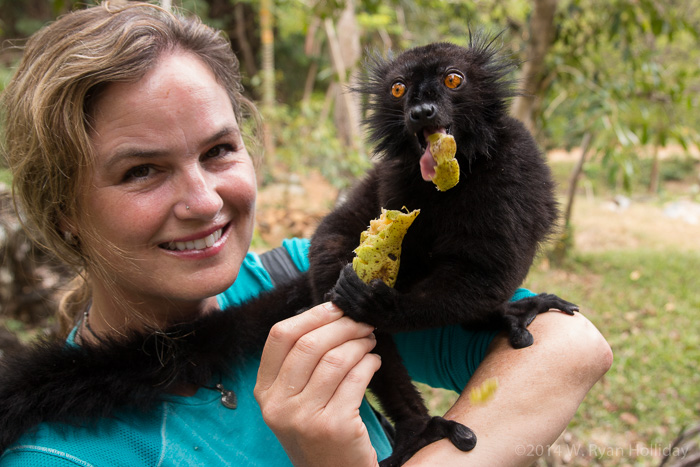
column 5, row 177
column 305, row 141
column 291, row 62
column 678, row 169
column 623, row 69
column 617, row 72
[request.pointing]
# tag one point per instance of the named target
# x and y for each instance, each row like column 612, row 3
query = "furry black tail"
column 52, row 381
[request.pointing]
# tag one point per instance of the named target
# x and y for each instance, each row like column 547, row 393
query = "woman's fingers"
column 297, row 345
column 349, row 393
column 284, row 335
column 341, row 371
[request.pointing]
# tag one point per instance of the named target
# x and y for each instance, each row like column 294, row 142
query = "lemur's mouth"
column 427, row 162
column 422, row 136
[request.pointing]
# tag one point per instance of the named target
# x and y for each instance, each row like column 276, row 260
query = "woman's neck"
column 108, row 317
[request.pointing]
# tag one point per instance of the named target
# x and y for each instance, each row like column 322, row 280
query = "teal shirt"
column 199, row 430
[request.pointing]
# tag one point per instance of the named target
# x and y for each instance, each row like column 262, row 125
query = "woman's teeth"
column 199, row 244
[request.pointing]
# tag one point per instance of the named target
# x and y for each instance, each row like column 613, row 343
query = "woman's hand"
column 313, row 374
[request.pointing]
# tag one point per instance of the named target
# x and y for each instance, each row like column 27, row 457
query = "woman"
column 123, row 132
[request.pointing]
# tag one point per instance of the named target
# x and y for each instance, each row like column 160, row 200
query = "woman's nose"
column 199, row 195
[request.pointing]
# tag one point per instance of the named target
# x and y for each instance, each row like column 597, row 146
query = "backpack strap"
column 279, row 265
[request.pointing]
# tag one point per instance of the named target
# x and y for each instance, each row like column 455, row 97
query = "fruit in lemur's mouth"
column 443, row 149
column 379, row 253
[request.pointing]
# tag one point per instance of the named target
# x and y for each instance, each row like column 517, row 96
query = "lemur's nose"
column 423, row 114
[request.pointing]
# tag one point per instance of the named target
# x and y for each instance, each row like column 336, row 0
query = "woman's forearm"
column 539, row 390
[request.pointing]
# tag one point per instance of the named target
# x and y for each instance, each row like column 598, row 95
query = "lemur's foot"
column 521, row 313
column 410, row 439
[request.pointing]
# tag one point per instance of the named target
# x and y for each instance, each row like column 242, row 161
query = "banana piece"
column 378, row 255
column 443, row 148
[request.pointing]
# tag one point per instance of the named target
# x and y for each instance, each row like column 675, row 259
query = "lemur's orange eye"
column 453, row 80
column 398, row 89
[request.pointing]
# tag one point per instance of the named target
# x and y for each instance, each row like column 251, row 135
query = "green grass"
column 646, row 304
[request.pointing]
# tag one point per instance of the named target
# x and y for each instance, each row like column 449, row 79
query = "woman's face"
column 173, row 188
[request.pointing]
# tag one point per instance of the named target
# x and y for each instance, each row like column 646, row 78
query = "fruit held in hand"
column 379, row 253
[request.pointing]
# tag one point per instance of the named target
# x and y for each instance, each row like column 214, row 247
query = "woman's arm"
column 539, row 390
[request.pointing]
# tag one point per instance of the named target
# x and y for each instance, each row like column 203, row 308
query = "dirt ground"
column 641, row 221
column 600, row 222
column 292, row 209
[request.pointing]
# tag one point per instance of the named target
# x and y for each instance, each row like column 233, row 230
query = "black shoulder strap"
column 280, row 265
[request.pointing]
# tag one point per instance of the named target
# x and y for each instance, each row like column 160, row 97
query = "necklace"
column 228, row 397
column 86, row 322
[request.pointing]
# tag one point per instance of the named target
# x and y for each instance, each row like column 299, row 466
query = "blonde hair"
column 48, row 105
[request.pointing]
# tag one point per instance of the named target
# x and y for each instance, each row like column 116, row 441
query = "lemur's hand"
column 373, row 303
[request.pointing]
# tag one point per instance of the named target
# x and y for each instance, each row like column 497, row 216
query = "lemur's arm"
column 339, row 234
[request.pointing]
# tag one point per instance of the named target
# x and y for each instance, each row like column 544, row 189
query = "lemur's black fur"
column 463, row 257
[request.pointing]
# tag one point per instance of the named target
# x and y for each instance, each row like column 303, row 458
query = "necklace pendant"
column 228, row 398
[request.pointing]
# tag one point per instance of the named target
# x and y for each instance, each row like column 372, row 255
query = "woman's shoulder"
column 253, row 278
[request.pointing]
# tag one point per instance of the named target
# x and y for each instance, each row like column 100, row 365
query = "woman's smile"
column 200, row 244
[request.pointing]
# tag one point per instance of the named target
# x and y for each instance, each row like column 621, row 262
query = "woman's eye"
column 219, row 150
column 140, row 171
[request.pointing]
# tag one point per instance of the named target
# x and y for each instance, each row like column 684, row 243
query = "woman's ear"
column 67, row 228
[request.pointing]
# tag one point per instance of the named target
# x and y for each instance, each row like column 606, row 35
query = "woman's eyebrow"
column 224, row 132
column 127, row 153
column 141, row 154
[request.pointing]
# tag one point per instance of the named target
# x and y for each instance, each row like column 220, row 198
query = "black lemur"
column 471, row 246
column 463, row 257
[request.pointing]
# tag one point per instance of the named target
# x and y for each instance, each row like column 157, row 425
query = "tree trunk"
column 268, row 81
column 345, row 52
column 267, row 37
column 541, row 35
column 565, row 240
column 655, row 171
column 312, row 48
column 248, row 55
column 239, row 21
column 575, row 176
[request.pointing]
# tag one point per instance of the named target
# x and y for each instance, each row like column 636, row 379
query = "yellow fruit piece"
column 443, row 148
column 379, row 253
column 485, row 392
